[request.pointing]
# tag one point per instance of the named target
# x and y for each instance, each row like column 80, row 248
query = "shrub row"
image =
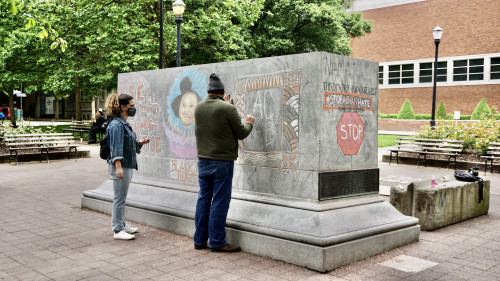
column 428, row 116
column 475, row 135
column 407, row 112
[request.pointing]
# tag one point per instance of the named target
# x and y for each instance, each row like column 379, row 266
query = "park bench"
column 42, row 142
column 79, row 127
column 424, row 147
column 492, row 154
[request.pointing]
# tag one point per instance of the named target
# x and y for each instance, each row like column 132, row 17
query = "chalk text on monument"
column 338, row 100
column 350, row 133
column 184, row 171
column 346, row 88
column 266, row 107
column 147, row 122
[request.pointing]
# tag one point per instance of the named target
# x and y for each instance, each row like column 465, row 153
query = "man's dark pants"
column 93, row 132
column 215, row 179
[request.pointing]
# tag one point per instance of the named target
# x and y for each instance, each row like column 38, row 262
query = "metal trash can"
column 17, row 114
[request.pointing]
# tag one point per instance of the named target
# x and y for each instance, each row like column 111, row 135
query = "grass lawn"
column 386, row 140
column 59, row 128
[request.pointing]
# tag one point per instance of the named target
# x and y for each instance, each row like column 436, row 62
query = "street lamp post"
column 160, row 63
column 178, row 8
column 437, row 33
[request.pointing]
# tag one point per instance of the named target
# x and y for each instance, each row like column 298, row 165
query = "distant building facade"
column 402, row 43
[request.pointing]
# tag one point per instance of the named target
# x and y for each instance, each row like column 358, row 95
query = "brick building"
column 402, row 43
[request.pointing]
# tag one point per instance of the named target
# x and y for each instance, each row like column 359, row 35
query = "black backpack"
column 466, row 176
column 105, row 150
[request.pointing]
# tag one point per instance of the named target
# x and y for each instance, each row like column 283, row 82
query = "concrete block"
column 447, row 203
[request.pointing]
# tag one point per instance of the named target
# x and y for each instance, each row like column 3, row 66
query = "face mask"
column 131, row 111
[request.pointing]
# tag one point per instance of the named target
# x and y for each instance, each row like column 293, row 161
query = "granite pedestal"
column 305, row 187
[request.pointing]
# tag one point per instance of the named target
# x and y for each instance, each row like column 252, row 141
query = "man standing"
column 218, row 127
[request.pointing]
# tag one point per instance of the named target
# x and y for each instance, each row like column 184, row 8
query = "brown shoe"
column 227, row 249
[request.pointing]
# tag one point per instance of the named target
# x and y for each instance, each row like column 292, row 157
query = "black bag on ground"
column 105, row 150
column 465, row 176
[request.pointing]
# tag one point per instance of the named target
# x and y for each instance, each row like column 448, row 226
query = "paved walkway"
column 45, row 235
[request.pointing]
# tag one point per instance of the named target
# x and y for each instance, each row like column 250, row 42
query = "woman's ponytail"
column 112, row 106
column 114, row 103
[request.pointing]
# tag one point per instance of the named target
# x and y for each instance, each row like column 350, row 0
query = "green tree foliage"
column 301, row 26
column 441, row 112
column 32, row 19
column 20, row 52
column 481, row 109
column 213, row 31
column 105, row 37
column 406, row 111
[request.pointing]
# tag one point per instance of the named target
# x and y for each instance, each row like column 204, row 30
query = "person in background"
column 97, row 127
column 218, row 127
column 122, row 159
column 2, row 116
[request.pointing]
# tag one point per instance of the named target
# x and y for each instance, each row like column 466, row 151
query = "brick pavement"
column 45, row 235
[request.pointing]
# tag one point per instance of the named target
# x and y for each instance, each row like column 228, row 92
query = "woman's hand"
column 119, row 172
column 144, row 142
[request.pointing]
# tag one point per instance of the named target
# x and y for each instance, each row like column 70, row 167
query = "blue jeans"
column 120, row 188
column 215, row 178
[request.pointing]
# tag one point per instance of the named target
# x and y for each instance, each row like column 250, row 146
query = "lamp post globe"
column 436, row 33
column 178, row 7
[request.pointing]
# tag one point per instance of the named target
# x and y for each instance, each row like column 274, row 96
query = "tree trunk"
column 92, row 110
column 56, row 110
column 11, row 105
column 37, row 105
column 78, row 100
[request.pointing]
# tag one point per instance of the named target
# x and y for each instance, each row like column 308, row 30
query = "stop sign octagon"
column 350, row 133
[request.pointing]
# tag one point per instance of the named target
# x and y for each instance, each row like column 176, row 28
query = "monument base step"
column 319, row 240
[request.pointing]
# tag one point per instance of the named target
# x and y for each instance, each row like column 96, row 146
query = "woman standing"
column 122, row 159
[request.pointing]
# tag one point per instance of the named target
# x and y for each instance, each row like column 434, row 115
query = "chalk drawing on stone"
column 146, row 123
column 184, row 170
column 274, row 100
column 189, row 88
column 339, row 100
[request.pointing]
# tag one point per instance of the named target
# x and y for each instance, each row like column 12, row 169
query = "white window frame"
column 449, row 77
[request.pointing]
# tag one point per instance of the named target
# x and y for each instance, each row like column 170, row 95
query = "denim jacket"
column 122, row 143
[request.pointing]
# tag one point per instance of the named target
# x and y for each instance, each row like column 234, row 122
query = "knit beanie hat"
column 215, row 82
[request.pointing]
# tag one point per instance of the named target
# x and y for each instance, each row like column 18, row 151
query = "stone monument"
column 305, row 188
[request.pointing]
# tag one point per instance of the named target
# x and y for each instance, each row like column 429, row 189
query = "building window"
column 401, row 74
column 381, row 75
column 495, row 68
column 427, row 68
column 468, row 70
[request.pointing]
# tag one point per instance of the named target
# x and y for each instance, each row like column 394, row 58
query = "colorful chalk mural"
column 189, row 88
column 284, row 154
column 147, row 122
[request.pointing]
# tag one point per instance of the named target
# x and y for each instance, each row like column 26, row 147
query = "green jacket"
column 218, row 127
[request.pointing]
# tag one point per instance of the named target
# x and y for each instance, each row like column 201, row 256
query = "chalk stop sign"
column 350, row 133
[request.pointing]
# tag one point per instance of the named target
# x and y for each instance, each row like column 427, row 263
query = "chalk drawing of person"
column 184, row 104
column 189, row 88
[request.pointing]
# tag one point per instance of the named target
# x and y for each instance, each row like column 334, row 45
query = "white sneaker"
column 130, row 229
column 122, row 235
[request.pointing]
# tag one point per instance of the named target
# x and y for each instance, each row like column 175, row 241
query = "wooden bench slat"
column 38, row 147
column 38, row 135
column 430, row 140
column 430, row 144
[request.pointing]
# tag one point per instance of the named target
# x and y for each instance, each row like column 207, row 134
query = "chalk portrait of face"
column 184, row 104
column 186, row 92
